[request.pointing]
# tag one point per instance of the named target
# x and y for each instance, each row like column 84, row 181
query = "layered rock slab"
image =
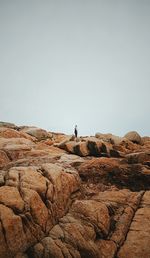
column 137, row 242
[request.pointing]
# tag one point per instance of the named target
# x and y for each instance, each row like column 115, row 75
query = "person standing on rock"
column 76, row 131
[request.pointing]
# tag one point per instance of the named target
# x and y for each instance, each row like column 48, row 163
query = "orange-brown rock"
column 4, row 160
column 109, row 138
column 95, row 213
column 11, row 133
column 138, row 157
column 38, row 133
column 10, row 197
column 98, row 165
column 71, row 159
column 12, row 233
column 57, row 200
column 60, row 138
column 136, row 244
column 133, row 137
column 38, row 196
column 75, row 234
column 110, row 171
column 107, row 249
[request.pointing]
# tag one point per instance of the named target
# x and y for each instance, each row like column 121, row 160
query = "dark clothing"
column 76, row 132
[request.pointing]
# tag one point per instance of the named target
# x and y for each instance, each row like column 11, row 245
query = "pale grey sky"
column 84, row 62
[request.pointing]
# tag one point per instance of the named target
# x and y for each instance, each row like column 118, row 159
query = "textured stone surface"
column 38, row 133
column 4, row 160
column 133, row 137
column 61, row 197
column 136, row 244
column 32, row 200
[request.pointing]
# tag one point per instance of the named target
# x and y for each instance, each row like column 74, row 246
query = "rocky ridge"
column 63, row 197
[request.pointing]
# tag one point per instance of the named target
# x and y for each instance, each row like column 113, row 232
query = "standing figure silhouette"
column 76, row 131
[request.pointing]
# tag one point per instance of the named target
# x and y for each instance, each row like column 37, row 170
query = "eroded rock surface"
column 63, row 197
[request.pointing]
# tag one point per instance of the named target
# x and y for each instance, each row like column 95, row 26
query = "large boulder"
column 96, row 147
column 38, row 133
column 134, row 137
column 109, row 138
column 11, row 133
column 14, row 147
column 95, row 213
column 89, row 146
column 61, row 142
column 71, row 159
column 15, row 144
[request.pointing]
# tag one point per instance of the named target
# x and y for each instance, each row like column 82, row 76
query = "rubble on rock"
column 63, row 197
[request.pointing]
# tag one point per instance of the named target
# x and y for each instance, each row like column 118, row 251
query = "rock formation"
column 62, row 197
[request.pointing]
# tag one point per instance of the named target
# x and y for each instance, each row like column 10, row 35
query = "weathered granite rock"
column 136, row 244
column 80, row 233
column 90, row 146
column 10, row 197
column 38, row 133
column 97, row 148
column 138, row 157
column 13, row 235
column 95, row 213
column 113, row 171
column 98, row 167
column 109, row 138
column 56, row 200
column 71, row 159
column 11, row 133
column 32, row 200
column 133, row 137
column 75, row 234
column 14, row 147
column 4, row 160
column 15, row 144
column 107, row 248
column 145, row 139
column 60, row 139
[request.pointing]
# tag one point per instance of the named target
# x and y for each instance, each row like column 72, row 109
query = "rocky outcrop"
column 75, row 234
column 92, row 228
column 111, row 171
column 31, row 202
column 89, row 146
column 38, row 133
column 137, row 241
column 66, row 197
column 11, row 133
column 133, row 137
column 138, row 157
column 109, row 138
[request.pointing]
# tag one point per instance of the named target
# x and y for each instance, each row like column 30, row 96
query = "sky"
column 68, row 62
